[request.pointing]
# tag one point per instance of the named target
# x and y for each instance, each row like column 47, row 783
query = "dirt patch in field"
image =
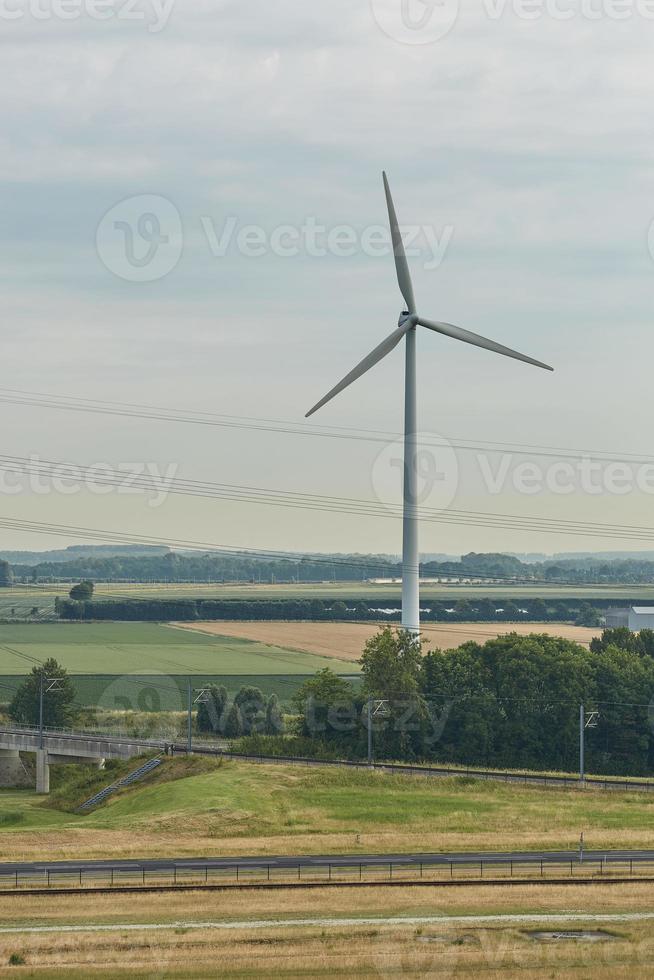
column 345, row 641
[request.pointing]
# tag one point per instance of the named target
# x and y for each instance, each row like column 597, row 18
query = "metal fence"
column 326, row 873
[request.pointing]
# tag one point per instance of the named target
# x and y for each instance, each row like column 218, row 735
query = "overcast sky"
column 173, row 182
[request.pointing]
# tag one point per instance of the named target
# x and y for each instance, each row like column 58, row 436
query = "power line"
column 291, row 427
column 324, row 503
column 120, row 537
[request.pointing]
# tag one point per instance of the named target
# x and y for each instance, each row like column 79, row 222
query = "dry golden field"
column 345, row 641
column 187, row 935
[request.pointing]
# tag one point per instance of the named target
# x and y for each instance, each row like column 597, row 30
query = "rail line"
column 606, row 783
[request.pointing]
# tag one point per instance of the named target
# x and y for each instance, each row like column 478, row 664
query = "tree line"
column 512, row 703
column 218, row 567
column 379, row 609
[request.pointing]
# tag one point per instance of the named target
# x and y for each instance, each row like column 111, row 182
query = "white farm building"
column 635, row 617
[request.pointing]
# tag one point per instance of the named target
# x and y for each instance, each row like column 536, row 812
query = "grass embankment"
column 498, row 949
column 192, row 807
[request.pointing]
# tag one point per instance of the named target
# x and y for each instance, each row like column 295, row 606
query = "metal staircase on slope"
column 131, row 777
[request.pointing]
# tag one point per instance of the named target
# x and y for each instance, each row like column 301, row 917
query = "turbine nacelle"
column 404, row 316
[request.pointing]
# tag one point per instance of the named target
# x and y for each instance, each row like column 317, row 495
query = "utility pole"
column 46, row 686
column 189, row 740
column 582, row 738
column 202, row 698
column 376, row 706
column 370, row 731
column 585, row 722
column 41, row 711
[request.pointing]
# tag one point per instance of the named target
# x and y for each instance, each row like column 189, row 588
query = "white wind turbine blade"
column 401, row 264
column 468, row 337
column 373, row 358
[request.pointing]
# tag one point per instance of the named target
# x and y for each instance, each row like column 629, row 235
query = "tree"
column 212, row 710
column 511, row 611
column 6, row 574
column 233, row 727
column 252, row 707
column 463, row 610
column 82, row 592
column 390, row 663
column 456, row 684
column 588, row 616
column 274, row 720
column 621, row 742
column 322, row 701
column 339, row 611
column 620, row 636
column 317, row 609
column 361, row 610
column 59, row 709
column 537, row 609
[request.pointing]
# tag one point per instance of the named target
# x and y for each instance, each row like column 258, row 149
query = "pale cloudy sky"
column 520, row 141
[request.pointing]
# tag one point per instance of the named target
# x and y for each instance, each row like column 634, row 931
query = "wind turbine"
column 409, row 320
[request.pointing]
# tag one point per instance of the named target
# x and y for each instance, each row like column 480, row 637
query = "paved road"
column 321, row 860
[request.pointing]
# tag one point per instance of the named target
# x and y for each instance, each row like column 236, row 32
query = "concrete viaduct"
column 61, row 749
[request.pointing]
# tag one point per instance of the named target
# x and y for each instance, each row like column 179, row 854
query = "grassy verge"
column 197, row 807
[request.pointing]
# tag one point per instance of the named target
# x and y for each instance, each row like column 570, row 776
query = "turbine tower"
column 406, row 329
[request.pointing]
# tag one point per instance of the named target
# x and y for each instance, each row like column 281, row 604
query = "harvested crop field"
column 345, row 641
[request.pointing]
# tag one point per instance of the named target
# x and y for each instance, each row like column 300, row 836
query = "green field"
column 146, row 666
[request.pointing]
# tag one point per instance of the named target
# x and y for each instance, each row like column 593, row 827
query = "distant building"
column 635, row 618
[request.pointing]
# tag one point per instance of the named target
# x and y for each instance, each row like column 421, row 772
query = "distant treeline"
column 173, row 567
column 317, row 610
column 213, row 567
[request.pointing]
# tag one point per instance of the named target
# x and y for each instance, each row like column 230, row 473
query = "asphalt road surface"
column 320, row 860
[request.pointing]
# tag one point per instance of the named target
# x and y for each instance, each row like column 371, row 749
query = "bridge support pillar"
column 12, row 770
column 42, row 771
